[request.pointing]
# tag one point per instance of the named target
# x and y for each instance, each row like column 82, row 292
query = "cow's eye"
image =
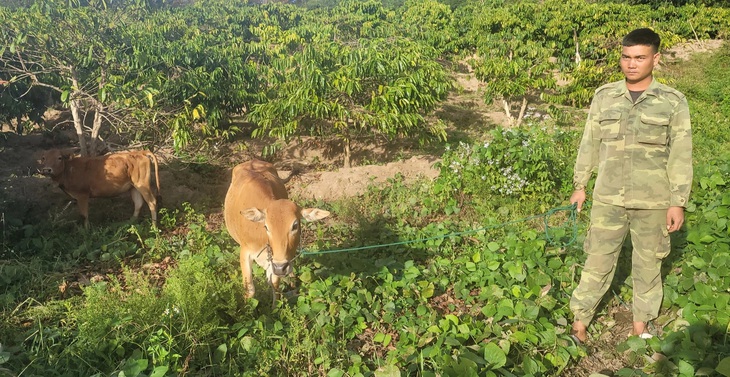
column 295, row 226
column 266, row 227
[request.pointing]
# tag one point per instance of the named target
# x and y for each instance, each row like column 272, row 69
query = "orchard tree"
column 430, row 22
column 511, row 56
column 26, row 105
column 202, row 65
column 76, row 51
column 349, row 89
column 586, row 39
column 183, row 69
column 356, row 19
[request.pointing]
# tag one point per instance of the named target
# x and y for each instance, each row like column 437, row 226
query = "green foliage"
column 712, row 100
column 510, row 54
column 521, row 51
column 348, row 70
column 361, row 19
column 130, row 317
column 432, row 22
column 525, row 164
column 378, row 86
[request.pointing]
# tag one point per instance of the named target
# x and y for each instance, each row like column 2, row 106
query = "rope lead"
column 572, row 221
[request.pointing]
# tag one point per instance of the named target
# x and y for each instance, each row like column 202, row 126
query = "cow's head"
column 52, row 161
column 281, row 220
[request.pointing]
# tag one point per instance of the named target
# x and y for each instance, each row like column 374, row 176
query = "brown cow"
column 104, row 176
column 262, row 219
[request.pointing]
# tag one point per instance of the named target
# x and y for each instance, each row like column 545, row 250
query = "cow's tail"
column 295, row 170
column 157, row 174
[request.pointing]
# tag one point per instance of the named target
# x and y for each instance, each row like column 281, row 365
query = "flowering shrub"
column 520, row 163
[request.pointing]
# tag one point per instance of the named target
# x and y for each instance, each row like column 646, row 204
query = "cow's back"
column 97, row 176
column 254, row 183
column 108, row 175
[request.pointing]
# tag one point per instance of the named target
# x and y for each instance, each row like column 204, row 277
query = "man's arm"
column 679, row 163
column 587, row 159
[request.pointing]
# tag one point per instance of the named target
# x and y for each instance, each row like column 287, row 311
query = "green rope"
column 572, row 220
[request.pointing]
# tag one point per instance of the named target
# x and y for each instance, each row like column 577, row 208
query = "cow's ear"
column 314, row 214
column 254, row 214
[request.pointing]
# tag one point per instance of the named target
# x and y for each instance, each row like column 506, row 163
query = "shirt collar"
column 622, row 90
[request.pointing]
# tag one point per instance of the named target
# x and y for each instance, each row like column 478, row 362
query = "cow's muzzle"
column 281, row 269
column 45, row 171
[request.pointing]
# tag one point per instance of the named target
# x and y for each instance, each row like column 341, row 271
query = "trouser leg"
column 651, row 244
column 606, row 235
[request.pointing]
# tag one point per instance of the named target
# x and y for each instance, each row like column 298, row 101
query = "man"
column 638, row 137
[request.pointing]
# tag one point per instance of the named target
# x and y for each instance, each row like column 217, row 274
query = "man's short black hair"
column 642, row 37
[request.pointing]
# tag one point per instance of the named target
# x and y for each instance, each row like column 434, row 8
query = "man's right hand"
column 578, row 197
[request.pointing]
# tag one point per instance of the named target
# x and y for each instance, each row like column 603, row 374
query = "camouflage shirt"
column 642, row 150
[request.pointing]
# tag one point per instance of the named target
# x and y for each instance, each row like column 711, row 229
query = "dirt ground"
column 26, row 197
column 29, row 197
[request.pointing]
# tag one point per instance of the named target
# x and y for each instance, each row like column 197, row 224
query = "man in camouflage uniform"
column 638, row 137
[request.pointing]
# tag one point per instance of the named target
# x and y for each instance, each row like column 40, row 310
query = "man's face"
column 637, row 63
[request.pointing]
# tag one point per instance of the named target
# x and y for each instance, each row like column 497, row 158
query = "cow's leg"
column 151, row 200
column 82, row 202
column 248, row 286
column 138, row 201
column 144, row 193
column 274, row 279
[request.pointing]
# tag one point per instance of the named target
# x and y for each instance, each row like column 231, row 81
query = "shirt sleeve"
column 679, row 164
column 587, row 159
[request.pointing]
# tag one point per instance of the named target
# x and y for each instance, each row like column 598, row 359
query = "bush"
column 520, row 163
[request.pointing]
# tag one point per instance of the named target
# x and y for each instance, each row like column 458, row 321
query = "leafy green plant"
column 517, row 163
column 330, row 89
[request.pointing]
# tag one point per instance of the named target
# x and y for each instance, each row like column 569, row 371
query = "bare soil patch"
column 28, row 198
column 684, row 51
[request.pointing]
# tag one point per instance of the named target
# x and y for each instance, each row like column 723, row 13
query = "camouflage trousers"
column 650, row 240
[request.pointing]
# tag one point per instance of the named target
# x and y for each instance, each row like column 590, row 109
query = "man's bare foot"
column 639, row 329
column 579, row 331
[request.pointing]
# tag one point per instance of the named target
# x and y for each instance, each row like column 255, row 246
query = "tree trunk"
column 522, row 111
column 577, row 51
column 98, row 109
column 78, row 125
column 75, row 104
column 508, row 112
column 18, row 125
column 95, row 147
column 347, row 153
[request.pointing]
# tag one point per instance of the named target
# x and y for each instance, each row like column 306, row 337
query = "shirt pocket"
column 610, row 124
column 653, row 129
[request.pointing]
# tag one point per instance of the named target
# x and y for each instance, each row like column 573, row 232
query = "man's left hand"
column 675, row 218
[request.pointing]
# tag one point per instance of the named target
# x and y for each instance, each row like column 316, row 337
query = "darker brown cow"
column 104, row 176
column 262, row 219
